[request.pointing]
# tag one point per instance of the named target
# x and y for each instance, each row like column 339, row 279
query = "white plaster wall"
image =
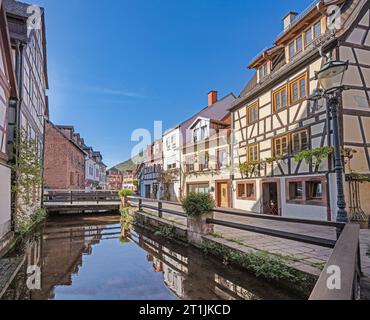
column 5, row 195
column 303, row 211
column 248, row 205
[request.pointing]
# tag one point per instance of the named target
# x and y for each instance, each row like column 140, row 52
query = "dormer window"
column 295, row 48
column 195, row 135
column 312, row 34
column 263, row 71
column 203, row 133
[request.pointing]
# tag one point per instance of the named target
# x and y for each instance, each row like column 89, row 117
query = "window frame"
column 299, row 132
column 253, row 106
column 279, row 91
column 296, row 51
column 254, row 146
column 253, row 183
column 311, row 28
column 306, row 200
column 263, row 71
column 297, row 80
column 279, row 138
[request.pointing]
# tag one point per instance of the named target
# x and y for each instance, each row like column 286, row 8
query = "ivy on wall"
column 316, row 155
column 27, row 173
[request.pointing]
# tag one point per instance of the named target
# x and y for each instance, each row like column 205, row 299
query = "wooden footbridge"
column 80, row 201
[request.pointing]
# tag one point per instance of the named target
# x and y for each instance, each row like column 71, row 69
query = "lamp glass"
column 331, row 75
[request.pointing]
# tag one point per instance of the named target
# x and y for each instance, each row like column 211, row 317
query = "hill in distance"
column 126, row 165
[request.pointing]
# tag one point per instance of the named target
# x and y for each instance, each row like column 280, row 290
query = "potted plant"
column 124, row 194
column 198, row 207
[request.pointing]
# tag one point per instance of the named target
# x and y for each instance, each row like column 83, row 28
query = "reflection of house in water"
column 174, row 281
column 59, row 254
column 231, row 291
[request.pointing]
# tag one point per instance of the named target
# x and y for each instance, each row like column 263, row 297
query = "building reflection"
column 188, row 280
column 59, row 250
column 58, row 253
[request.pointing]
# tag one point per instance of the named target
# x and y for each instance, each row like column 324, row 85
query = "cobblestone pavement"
column 305, row 257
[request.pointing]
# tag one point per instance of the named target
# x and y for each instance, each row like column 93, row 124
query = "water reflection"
column 103, row 258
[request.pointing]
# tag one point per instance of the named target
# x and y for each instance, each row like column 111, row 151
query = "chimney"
column 289, row 18
column 212, row 97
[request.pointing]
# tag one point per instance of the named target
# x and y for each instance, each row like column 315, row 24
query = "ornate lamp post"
column 330, row 78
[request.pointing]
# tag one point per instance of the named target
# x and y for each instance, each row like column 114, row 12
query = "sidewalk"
column 308, row 258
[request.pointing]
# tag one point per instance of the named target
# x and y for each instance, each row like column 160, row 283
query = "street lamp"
column 330, row 78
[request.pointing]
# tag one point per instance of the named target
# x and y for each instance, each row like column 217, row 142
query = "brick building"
column 64, row 159
column 114, row 179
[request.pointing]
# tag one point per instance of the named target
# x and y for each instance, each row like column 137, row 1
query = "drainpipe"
column 328, row 129
column 15, row 138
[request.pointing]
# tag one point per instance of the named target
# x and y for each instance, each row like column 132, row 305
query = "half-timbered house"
column 8, row 94
column 27, row 117
column 274, row 118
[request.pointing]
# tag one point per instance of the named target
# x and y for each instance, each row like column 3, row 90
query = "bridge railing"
column 345, row 256
column 340, row 279
column 80, row 196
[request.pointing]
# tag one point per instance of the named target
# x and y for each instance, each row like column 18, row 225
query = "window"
column 168, row 146
column 252, row 113
column 298, row 89
column 307, row 190
column 281, row 146
column 71, row 179
column 317, row 29
column 222, row 158
column 312, row 34
column 204, row 162
column 198, row 188
column 171, row 166
column 308, row 38
column 295, row 48
column 173, row 142
column 299, row 141
column 314, row 190
column 189, row 164
column 246, row 190
column 263, row 71
column 296, row 190
column 195, row 135
column 253, row 152
column 279, row 98
column 203, row 132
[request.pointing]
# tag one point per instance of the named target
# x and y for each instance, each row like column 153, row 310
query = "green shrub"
column 166, row 231
column 125, row 193
column 262, row 264
column 196, row 204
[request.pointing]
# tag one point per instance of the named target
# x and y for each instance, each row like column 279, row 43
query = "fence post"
column 160, row 212
column 71, row 196
column 96, row 197
column 140, row 204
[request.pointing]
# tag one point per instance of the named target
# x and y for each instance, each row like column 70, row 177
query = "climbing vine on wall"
column 27, row 172
column 316, row 155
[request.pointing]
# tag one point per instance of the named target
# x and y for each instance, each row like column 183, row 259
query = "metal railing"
column 346, row 253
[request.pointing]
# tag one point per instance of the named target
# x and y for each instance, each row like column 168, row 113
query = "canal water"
column 99, row 258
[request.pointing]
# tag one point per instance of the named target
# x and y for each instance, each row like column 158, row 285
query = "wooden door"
column 223, row 195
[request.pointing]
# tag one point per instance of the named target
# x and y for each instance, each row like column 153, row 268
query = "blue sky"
column 118, row 65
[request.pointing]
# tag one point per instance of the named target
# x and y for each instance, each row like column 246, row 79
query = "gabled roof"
column 18, row 9
column 9, row 70
column 58, row 129
column 350, row 10
column 215, row 121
